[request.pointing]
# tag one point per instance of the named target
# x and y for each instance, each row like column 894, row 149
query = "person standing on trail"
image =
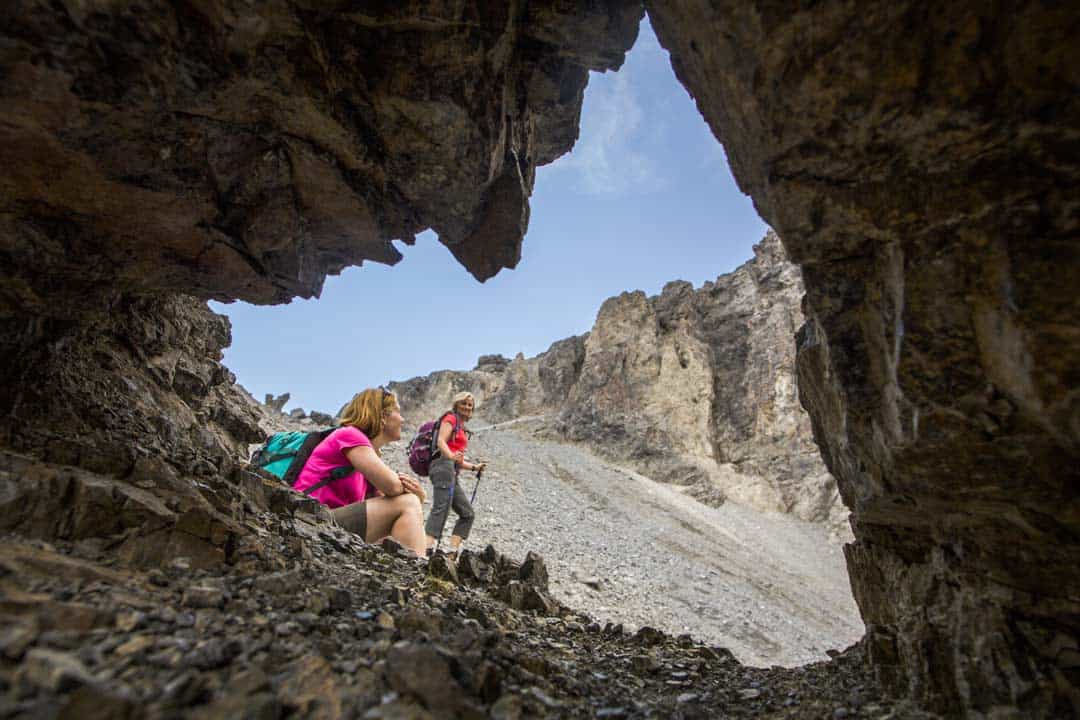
column 449, row 459
column 374, row 501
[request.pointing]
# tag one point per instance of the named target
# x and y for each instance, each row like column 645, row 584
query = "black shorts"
column 353, row 518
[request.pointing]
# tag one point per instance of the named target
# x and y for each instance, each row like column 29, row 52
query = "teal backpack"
column 285, row 453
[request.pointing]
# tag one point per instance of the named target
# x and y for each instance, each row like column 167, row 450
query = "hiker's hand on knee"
column 412, row 485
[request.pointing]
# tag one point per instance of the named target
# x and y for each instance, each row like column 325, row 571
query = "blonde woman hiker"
column 373, row 500
column 449, row 459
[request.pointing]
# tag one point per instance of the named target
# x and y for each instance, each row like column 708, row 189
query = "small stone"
column 392, row 546
column 15, row 638
column 340, row 599
column 133, row 646
column 507, row 707
column 128, row 620
column 686, row 697
column 614, row 713
column 204, row 597
column 385, row 620
column 543, row 697
column 94, row 701
column 840, row 713
column 185, row 619
column 54, row 671
column 443, row 568
column 179, row 566
column 280, row 583
column 749, row 693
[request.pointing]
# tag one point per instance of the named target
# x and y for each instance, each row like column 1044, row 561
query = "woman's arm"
column 445, row 430
column 375, row 471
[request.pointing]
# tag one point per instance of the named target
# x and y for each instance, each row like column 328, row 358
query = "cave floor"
column 331, row 627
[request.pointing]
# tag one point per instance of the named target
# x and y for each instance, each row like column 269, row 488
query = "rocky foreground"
column 333, row 627
column 298, row 618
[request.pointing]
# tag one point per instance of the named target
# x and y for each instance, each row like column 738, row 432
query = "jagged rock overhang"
column 245, row 152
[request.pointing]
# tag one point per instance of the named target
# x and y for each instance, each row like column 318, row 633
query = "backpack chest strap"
column 335, row 475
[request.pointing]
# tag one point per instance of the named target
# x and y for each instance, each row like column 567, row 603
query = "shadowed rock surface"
column 918, row 160
column 691, row 387
column 238, row 151
column 925, row 193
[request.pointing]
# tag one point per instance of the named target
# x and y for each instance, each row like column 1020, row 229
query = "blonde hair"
column 365, row 411
column 460, row 398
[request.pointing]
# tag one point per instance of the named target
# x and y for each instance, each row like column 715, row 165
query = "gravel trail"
column 625, row 549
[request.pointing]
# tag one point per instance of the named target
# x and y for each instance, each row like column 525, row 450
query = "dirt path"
column 628, row 550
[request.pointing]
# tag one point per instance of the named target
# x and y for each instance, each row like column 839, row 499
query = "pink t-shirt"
column 330, row 454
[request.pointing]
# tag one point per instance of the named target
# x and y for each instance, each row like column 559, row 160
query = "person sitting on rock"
column 373, row 501
column 448, row 461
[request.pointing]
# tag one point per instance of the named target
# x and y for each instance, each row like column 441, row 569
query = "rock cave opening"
column 916, row 162
column 707, row 369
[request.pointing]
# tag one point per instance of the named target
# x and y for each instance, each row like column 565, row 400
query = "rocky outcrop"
column 505, row 389
column 143, row 384
column 925, row 193
column 238, row 151
column 698, row 387
column 692, row 387
column 917, row 160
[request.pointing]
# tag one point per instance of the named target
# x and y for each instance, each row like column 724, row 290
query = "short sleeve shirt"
column 458, row 439
column 330, row 454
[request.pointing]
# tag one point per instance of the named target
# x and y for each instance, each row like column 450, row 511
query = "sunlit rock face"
column 244, row 151
column 697, row 387
column 920, row 164
column 694, row 387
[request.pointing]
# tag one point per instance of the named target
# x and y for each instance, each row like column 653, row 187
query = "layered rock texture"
column 918, row 160
column 925, row 194
column 691, row 387
column 245, row 152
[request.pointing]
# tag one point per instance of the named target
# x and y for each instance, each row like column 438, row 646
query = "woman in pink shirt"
column 364, row 494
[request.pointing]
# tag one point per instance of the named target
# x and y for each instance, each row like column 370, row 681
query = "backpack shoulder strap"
column 435, row 433
column 310, row 443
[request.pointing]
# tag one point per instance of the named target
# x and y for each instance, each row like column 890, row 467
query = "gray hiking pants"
column 443, row 476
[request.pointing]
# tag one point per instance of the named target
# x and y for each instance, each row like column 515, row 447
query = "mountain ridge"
column 694, row 387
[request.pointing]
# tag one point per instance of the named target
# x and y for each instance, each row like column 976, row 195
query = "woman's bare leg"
column 400, row 517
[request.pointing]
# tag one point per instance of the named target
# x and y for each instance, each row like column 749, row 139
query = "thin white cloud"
column 612, row 155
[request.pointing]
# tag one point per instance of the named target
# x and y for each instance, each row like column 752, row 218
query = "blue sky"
column 644, row 198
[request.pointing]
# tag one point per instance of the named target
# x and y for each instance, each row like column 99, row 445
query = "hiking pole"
column 479, row 475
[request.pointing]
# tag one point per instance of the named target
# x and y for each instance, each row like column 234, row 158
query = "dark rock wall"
column 245, row 151
column 918, row 161
column 143, row 382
